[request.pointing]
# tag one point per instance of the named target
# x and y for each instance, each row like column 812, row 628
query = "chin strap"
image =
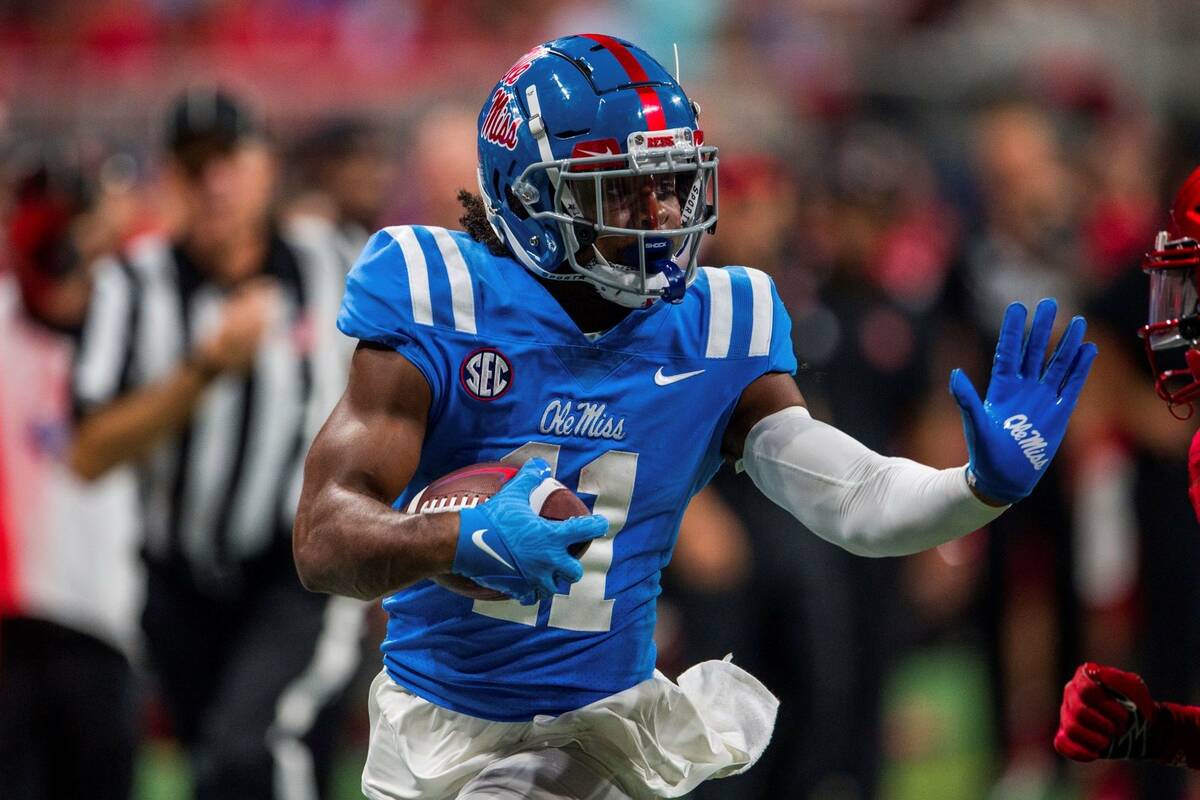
column 629, row 298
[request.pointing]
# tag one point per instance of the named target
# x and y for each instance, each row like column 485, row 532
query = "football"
column 469, row 486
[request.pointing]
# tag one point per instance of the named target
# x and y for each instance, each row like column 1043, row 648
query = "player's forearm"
column 846, row 493
column 1175, row 735
column 131, row 425
column 349, row 543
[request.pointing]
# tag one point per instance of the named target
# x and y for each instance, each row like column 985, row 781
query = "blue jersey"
column 631, row 420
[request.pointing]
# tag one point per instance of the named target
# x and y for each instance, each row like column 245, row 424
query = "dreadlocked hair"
column 475, row 221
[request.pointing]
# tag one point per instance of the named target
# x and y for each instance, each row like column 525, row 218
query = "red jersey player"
column 1107, row 713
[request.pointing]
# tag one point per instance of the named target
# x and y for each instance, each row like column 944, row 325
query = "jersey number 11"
column 610, row 478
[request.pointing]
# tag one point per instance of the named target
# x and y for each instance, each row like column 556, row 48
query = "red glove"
column 1194, row 473
column 1106, row 713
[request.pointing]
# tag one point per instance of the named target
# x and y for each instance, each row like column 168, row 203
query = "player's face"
column 641, row 202
column 645, row 202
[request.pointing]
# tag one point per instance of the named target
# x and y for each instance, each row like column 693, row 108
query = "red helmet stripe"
column 652, row 110
column 656, row 120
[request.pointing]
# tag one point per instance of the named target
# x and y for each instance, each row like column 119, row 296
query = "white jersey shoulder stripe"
column 720, row 313
column 760, row 326
column 418, row 272
column 462, row 292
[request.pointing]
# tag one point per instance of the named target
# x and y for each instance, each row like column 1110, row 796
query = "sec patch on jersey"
column 485, row 374
column 470, row 486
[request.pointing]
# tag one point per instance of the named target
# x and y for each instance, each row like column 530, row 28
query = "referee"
column 202, row 361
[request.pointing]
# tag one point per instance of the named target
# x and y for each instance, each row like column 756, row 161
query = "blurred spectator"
column 1024, row 245
column 69, row 586
column 441, row 161
column 1120, row 195
column 1027, row 244
column 881, row 244
column 346, row 174
column 201, row 362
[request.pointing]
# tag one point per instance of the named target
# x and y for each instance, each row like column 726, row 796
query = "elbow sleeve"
column 854, row 497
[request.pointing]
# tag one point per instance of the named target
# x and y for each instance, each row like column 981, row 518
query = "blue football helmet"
column 589, row 156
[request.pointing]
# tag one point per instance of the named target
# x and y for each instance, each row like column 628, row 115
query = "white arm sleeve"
column 850, row 495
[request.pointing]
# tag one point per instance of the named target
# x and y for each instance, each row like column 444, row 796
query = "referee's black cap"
column 205, row 122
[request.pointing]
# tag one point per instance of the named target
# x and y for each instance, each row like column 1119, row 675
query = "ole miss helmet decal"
column 485, row 374
column 502, row 121
column 523, row 64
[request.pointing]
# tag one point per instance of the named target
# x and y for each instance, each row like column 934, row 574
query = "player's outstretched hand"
column 1106, row 713
column 1014, row 433
column 504, row 545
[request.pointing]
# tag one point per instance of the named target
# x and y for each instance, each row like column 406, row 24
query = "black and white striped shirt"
column 222, row 491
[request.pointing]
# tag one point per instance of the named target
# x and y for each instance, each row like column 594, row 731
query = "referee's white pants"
column 655, row 739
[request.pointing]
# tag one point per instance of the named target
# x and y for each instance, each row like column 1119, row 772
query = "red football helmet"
column 1174, row 318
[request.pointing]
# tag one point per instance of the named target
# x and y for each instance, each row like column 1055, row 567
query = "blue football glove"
column 1014, row 433
column 504, row 545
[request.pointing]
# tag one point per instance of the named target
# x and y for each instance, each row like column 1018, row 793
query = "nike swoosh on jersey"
column 667, row 380
column 477, row 538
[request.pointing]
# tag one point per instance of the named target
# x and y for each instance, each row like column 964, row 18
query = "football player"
column 1108, row 713
column 571, row 330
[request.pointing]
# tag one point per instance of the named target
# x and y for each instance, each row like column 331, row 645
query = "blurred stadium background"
column 903, row 169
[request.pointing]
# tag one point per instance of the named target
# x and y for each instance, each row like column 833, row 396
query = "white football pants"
column 655, row 739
